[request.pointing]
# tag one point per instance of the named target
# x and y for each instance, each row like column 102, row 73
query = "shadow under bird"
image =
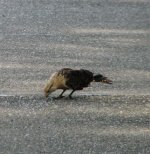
column 68, row 78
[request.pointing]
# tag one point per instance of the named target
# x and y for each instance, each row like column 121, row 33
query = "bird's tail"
column 101, row 78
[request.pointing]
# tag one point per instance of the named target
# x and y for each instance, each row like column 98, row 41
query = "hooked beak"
column 105, row 80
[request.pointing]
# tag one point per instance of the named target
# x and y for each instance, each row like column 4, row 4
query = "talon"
column 59, row 97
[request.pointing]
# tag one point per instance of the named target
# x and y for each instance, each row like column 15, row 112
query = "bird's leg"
column 70, row 95
column 61, row 95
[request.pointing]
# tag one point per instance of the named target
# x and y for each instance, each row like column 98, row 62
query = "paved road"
column 110, row 37
column 87, row 124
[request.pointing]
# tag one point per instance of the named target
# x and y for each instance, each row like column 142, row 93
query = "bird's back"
column 77, row 79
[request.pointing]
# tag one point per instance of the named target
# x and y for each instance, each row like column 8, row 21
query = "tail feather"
column 101, row 78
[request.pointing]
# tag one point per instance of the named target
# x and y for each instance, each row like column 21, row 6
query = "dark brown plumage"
column 67, row 78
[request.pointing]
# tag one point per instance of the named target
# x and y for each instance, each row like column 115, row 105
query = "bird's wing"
column 78, row 79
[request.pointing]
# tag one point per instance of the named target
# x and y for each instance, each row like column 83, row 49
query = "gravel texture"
column 109, row 37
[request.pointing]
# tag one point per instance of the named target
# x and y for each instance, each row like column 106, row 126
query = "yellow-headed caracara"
column 67, row 78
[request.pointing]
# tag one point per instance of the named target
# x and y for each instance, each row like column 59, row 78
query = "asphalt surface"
column 109, row 37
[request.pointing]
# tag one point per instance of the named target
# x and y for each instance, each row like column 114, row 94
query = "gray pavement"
column 110, row 37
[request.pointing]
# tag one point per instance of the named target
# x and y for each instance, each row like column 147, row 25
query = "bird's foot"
column 59, row 97
column 70, row 97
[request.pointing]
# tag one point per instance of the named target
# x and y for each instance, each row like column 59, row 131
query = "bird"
column 72, row 79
